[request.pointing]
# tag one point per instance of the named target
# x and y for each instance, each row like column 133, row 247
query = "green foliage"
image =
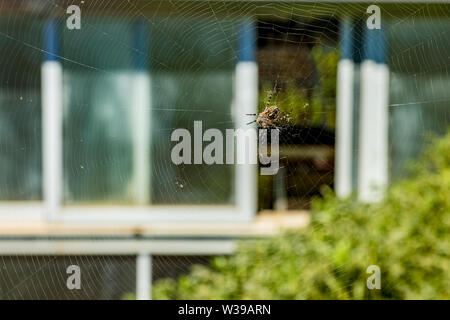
column 407, row 236
column 327, row 59
column 315, row 107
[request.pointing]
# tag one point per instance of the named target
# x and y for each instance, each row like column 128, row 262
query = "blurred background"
column 86, row 116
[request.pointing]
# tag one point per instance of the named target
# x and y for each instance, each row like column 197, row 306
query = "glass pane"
column 179, row 104
column 20, row 109
column 188, row 83
column 419, row 97
column 97, row 96
column 97, row 100
column 97, row 144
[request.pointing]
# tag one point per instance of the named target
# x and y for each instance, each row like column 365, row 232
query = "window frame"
column 52, row 209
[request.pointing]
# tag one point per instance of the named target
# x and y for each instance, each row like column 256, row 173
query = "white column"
column 246, row 101
column 52, row 118
column 141, row 115
column 344, row 128
column 246, row 178
column 141, row 134
column 373, row 146
column 143, row 276
column 345, row 108
column 373, row 128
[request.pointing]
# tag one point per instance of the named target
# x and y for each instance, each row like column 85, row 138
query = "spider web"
column 192, row 55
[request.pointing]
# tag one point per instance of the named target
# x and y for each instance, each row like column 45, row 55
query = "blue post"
column 375, row 45
column 346, row 39
column 247, row 41
column 51, row 41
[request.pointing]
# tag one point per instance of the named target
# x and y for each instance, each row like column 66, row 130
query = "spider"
column 268, row 117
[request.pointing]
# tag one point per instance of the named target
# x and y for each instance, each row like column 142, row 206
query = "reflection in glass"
column 20, row 109
column 190, row 71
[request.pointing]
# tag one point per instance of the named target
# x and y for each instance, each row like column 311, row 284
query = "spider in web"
column 268, row 117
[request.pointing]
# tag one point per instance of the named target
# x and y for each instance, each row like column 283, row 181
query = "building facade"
column 86, row 117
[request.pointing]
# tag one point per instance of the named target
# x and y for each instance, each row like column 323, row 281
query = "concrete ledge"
column 33, row 238
column 265, row 224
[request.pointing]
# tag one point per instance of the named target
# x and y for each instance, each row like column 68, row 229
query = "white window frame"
column 52, row 209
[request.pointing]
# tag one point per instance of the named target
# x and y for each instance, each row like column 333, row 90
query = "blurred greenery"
column 407, row 236
column 309, row 106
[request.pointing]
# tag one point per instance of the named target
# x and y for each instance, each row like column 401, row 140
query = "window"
column 99, row 105
column 20, row 109
column 419, row 100
column 125, row 85
column 188, row 85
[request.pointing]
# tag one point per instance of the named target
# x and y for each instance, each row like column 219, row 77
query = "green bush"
column 407, row 236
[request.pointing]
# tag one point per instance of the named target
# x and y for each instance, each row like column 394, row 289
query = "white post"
column 143, row 276
column 344, row 114
column 373, row 146
column 246, row 101
column 141, row 131
column 52, row 117
column 141, row 117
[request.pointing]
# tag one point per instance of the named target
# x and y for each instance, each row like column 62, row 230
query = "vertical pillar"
column 246, row 101
column 358, row 30
column 140, row 116
column 373, row 131
column 52, row 112
column 143, row 276
column 281, row 200
column 344, row 112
